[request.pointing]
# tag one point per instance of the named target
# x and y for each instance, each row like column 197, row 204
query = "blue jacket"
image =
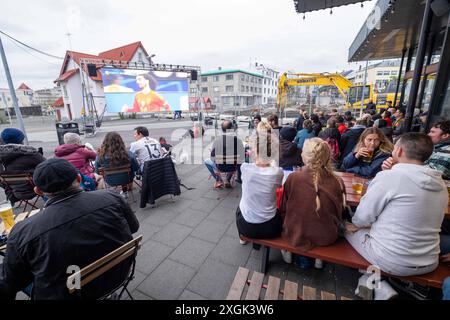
column 364, row 169
column 301, row 136
column 119, row 178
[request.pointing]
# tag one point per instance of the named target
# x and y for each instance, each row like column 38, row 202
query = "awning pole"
column 407, row 69
column 421, row 51
column 425, row 76
column 399, row 76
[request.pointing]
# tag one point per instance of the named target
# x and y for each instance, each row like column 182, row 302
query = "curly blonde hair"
column 316, row 155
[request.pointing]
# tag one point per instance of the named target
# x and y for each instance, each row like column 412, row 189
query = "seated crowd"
column 397, row 225
column 37, row 261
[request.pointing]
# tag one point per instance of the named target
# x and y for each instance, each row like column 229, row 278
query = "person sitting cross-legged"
column 227, row 155
column 397, row 223
column 75, row 229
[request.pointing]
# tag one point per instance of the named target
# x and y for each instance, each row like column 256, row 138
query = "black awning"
column 302, row 6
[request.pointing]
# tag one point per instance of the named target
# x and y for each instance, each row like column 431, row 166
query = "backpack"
column 334, row 148
column 87, row 183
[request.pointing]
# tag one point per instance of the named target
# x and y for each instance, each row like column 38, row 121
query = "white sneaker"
column 287, row 256
column 362, row 290
column 385, row 291
column 243, row 242
column 318, row 264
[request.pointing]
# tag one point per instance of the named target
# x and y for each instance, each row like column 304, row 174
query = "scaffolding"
column 92, row 118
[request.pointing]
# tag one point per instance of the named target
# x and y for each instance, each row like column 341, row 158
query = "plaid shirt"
column 440, row 159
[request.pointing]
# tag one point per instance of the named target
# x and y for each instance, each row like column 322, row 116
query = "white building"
column 72, row 105
column 23, row 93
column 270, row 83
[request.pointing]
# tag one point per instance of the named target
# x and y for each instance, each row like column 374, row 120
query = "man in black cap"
column 74, row 229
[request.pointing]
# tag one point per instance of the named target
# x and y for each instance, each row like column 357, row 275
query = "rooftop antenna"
column 68, row 34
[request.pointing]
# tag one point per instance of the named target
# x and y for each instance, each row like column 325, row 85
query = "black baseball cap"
column 54, row 175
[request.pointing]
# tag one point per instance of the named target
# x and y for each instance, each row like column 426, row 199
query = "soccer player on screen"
column 147, row 100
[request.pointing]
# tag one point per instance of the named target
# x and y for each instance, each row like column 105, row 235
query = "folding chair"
column 105, row 172
column 9, row 180
column 103, row 265
column 227, row 165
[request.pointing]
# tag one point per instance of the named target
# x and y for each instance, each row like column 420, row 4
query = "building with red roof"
column 69, row 78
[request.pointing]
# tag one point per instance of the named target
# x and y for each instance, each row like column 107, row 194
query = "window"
column 204, row 79
column 216, row 79
column 140, row 56
column 229, row 77
column 386, row 73
column 379, row 73
column 259, row 81
column 246, row 89
column 247, row 78
column 252, row 79
column 394, row 73
column 193, row 90
column 229, row 88
column 251, row 89
column 242, row 77
column 216, row 99
column 216, row 89
column 264, row 90
column 265, row 82
column 226, row 100
column 243, row 88
column 204, row 89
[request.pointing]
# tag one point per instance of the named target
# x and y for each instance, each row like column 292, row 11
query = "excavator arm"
column 310, row 79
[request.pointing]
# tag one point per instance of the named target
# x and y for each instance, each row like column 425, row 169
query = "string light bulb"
column 304, row 16
column 362, row 4
column 331, row 11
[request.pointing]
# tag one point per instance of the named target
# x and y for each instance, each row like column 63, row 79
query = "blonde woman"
column 257, row 215
column 313, row 200
column 371, row 151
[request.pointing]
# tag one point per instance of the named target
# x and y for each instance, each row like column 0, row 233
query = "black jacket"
column 349, row 140
column 290, row 155
column 18, row 159
column 74, row 229
column 158, row 179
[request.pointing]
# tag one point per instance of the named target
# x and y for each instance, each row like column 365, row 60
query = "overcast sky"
column 205, row 33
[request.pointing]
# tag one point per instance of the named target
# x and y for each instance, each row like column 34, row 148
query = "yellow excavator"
column 351, row 93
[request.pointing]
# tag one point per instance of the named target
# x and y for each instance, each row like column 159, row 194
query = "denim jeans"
column 212, row 168
column 446, row 289
column 445, row 243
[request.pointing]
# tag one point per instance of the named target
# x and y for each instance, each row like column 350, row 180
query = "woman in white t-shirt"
column 257, row 215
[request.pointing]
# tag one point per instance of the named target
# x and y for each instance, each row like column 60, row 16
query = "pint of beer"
column 7, row 215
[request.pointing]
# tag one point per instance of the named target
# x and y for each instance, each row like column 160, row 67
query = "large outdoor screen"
column 129, row 90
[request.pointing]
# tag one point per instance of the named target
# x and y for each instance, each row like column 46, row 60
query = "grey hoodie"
column 404, row 209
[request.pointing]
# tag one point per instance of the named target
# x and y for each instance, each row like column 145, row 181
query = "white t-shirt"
column 146, row 149
column 259, row 199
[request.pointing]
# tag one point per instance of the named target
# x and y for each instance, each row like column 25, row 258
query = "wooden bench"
column 342, row 253
column 273, row 289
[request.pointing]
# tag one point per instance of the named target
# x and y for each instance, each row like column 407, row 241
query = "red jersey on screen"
column 150, row 102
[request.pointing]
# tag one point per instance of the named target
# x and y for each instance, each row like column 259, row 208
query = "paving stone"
column 137, row 295
column 253, row 264
column 172, row 234
column 160, row 216
column 213, row 280
column 138, row 278
column 190, row 217
column 232, row 231
column 192, row 252
column 147, row 230
column 223, row 215
column 210, row 230
column 205, row 205
column 168, row 281
column 151, row 255
column 188, row 295
column 231, row 202
column 231, row 252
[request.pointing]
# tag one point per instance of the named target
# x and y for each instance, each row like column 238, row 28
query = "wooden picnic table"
column 353, row 199
column 17, row 219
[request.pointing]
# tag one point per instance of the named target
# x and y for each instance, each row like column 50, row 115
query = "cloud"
column 205, row 33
